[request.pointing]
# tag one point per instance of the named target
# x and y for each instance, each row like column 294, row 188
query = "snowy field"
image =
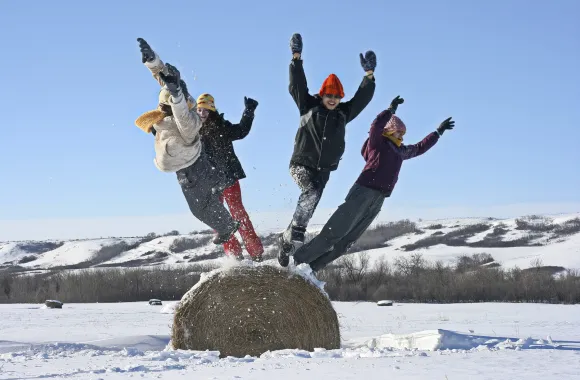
column 544, row 246
column 405, row 341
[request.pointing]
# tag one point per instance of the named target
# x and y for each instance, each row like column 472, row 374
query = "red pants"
column 233, row 197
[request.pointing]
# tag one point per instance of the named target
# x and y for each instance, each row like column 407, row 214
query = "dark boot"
column 291, row 239
column 224, row 237
column 295, row 235
column 285, row 249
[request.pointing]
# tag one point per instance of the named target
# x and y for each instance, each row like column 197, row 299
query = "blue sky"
column 506, row 71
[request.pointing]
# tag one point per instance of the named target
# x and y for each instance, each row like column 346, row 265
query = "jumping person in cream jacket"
column 176, row 124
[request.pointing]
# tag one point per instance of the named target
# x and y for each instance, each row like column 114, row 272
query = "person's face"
column 398, row 134
column 330, row 101
column 203, row 113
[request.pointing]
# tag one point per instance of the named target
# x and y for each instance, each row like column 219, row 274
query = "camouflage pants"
column 312, row 183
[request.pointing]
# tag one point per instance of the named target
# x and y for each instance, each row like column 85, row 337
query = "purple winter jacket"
column 384, row 158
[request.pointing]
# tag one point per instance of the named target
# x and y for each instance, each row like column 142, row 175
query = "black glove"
column 369, row 61
column 172, row 80
column 395, row 103
column 296, row 43
column 147, row 54
column 250, row 103
column 446, row 124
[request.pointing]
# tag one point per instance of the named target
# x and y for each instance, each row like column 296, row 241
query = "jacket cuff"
column 155, row 63
column 369, row 77
column 179, row 98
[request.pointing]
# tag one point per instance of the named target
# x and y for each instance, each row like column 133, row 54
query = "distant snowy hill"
column 523, row 242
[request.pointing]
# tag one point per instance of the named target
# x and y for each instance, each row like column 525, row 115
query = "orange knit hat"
column 332, row 86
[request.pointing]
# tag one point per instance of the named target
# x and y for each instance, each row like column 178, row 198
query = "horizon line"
column 92, row 228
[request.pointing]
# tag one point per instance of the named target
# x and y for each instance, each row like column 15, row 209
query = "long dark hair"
column 214, row 117
column 213, row 121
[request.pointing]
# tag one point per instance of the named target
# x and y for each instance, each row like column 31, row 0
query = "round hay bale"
column 250, row 310
column 53, row 304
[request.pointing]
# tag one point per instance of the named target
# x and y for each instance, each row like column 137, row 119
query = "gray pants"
column 202, row 186
column 312, row 183
column 343, row 229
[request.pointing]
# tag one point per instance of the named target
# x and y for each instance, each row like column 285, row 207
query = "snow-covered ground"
column 553, row 249
column 404, row 341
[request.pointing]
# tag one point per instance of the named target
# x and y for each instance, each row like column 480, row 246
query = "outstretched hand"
column 172, row 79
column 445, row 125
column 147, row 54
column 395, row 103
column 250, row 104
column 368, row 61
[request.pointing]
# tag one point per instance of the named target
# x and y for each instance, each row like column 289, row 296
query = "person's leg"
column 201, row 188
column 231, row 247
column 342, row 246
column 311, row 184
column 342, row 221
column 233, row 196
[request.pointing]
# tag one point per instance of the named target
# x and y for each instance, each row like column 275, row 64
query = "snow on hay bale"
column 251, row 309
column 53, row 304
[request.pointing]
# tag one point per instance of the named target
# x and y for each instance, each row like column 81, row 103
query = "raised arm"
column 366, row 90
column 410, row 151
column 241, row 130
column 188, row 122
column 361, row 98
column 377, row 127
column 298, row 87
column 152, row 61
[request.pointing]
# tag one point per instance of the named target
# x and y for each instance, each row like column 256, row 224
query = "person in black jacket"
column 319, row 143
column 217, row 136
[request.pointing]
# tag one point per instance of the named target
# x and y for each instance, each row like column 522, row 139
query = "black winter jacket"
column 217, row 136
column 319, row 143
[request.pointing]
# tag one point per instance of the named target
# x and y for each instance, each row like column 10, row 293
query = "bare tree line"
column 475, row 278
column 100, row 285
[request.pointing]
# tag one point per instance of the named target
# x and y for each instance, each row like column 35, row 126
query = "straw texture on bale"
column 251, row 310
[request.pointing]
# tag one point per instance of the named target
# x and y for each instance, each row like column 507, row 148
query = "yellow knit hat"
column 206, row 101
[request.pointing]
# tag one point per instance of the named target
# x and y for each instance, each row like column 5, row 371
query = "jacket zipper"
column 322, row 141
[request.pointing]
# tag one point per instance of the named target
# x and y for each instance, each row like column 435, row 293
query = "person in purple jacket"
column 384, row 153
